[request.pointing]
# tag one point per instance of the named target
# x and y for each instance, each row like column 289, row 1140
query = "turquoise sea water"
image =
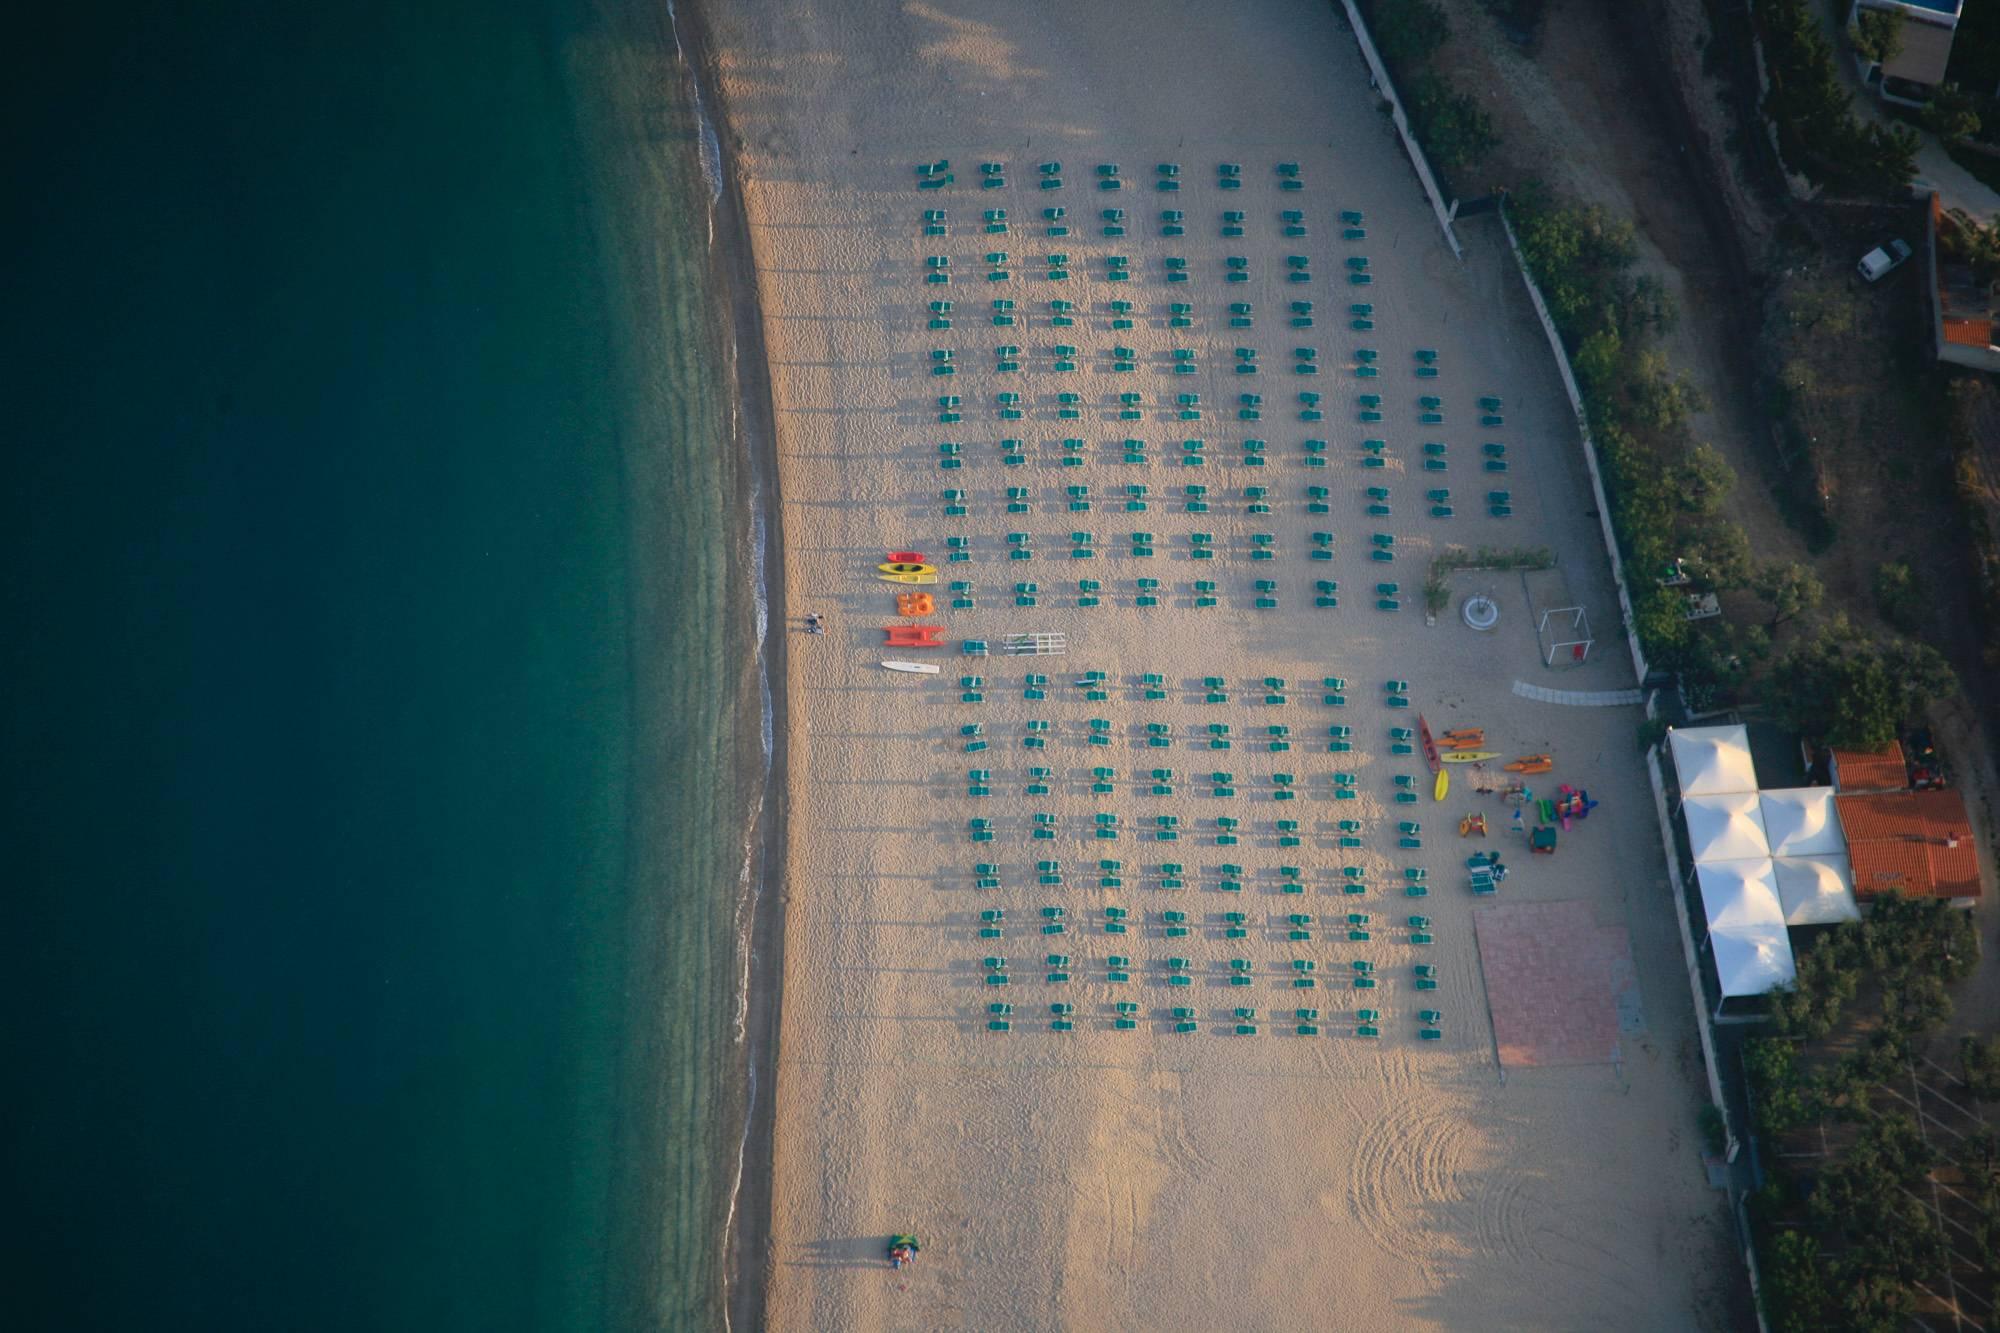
column 378, row 647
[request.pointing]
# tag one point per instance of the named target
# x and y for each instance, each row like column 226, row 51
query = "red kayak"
column 1430, row 746
column 906, row 557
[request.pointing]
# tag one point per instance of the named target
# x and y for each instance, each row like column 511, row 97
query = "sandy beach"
column 1534, row 1165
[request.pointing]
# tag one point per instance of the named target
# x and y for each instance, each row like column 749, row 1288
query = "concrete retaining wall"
column 1380, row 76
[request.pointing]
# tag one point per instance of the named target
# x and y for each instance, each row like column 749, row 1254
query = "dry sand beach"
column 1537, row 1164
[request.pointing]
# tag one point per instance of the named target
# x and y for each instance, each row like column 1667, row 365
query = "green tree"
column 1877, row 159
column 1408, row 32
column 1795, row 1284
column 1899, row 596
column 1851, row 689
column 1790, row 590
column 1979, row 1061
column 1455, row 131
column 1599, row 362
column 1952, row 113
column 1779, row 1099
column 1705, row 479
column 1658, row 399
column 1717, row 555
column 1877, row 35
column 1659, row 618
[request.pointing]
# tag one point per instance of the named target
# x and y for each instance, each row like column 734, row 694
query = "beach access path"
column 1109, row 1177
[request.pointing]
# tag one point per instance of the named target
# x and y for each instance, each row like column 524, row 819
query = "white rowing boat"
column 914, row 668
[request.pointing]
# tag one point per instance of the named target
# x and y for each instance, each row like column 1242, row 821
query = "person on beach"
column 813, row 625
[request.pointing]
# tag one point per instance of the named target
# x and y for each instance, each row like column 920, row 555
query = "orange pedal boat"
column 914, row 636
column 915, row 604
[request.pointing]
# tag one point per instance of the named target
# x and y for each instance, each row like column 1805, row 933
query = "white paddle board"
column 914, row 668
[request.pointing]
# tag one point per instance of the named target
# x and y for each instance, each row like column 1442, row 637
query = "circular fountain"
column 1480, row 612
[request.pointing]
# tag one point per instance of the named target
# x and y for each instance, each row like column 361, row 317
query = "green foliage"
column 1408, row 32
column 1657, row 399
column 1852, row 689
column 1455, row 132
column 1790, row 589
column 1794, row 1293
column 1899, row 596
column 1437, row 591
column 1877, row 160
column 1818, row 134
column 1704, row 479
column 1717, row 555
column 1714, row 1129
column 1979, row 1059
column 1779, row 1096
column 1953, row 113
column 1578, row 255
column 1666, row 490
column 1877, row 35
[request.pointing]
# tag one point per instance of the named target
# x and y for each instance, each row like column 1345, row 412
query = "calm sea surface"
column 379, row 723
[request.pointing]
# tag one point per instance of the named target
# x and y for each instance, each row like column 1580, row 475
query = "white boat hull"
column 914, row 668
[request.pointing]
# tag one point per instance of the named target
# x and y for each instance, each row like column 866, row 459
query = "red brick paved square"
column 1549, row 978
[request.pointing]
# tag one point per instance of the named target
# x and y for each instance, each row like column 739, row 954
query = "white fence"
column 1675, row 887
column 1589, row 448
column 1380, row 76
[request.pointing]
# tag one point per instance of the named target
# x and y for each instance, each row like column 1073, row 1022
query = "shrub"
column 1899, row 596
column 1852, row 689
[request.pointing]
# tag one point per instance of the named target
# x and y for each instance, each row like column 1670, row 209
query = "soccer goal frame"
column 1564, row 632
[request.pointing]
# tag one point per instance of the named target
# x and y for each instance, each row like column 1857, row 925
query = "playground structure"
column 1564, row 635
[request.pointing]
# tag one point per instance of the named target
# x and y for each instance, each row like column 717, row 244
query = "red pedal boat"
column 914, row 636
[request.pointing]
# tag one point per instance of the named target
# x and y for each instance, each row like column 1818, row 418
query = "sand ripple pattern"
column 1403, row 1173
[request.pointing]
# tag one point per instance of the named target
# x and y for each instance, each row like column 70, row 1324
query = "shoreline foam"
column 747, row 1227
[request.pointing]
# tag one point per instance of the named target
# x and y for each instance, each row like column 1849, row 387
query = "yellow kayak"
column 909, row 578
column 1443, row 784
column 1468, row 756
column 906, row 567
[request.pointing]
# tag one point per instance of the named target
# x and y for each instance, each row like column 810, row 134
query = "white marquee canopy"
column 1726, row 828
column 1713, row 760
column 1800, row 821
column 1816, row 890
column 1746, row 925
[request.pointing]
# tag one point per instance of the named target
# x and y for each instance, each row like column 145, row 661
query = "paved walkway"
column 1579, row 698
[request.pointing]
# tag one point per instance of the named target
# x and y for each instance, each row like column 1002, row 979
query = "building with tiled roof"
column 1916, row 843
column 1870, row 770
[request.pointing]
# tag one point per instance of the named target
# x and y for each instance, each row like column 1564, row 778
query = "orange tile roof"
column 1871, row 770
column 1903, row 841
column 1968, row 332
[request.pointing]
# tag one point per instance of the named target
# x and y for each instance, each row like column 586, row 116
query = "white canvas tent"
column 1752, row 960
column 1815, row 890
column 1711, row 761
column 1726, row 828
column 1746, row 926
column 1800, row 821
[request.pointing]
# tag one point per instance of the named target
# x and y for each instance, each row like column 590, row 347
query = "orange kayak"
column 1533, row 763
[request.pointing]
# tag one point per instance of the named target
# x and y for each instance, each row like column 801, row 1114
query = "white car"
column 1882, row 259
